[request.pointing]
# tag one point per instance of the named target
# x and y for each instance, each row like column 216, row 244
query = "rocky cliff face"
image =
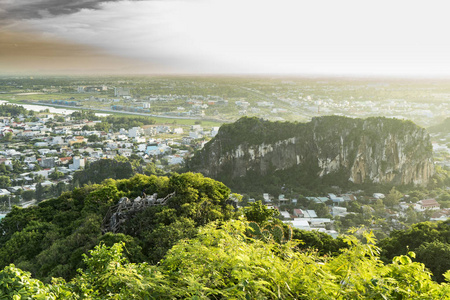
column 377, row 150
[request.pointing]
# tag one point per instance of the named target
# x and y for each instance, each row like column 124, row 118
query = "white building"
column 178, row 130
column 78, row 163
column 135, row 132
column 175, row 160
column 58, row 140
column 214, row 131
column 195, row 135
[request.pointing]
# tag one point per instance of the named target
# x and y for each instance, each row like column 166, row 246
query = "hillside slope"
column 377, row 150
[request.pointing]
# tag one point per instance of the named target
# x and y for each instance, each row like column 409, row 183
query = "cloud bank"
column 266, row 36
column 38, row 9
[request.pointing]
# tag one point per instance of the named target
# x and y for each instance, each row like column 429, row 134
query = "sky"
column 282, row 37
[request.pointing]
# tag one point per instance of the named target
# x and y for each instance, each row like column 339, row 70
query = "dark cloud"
column 36, row 9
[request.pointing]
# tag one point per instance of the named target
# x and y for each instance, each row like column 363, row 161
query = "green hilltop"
column 195, row 245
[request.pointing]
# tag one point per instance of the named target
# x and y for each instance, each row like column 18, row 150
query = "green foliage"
column 259, row 213
column 270, row 232
column 16, row 284
column 443, row 127
column 109, row 275
column 28, row 195
column 393, row 198
column 8, row 137
column 436, row 257
column 319, row 242
column 102, row 126
column 127, row 122
column 222, row 263
column 200, row 198
column 421, row 238
column 8, row 110
column 50, row 239
column 104, row 169
column 5, row 182
column 84, row 115
column 94, row 138
column 56, row 175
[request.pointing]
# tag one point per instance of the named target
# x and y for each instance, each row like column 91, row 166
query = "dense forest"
column 199, row 246
column 112, row 121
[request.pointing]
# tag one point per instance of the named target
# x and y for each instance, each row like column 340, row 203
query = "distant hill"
column 442, row 128
column 253, row 153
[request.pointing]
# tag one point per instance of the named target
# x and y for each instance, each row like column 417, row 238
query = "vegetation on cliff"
column 251, row 153
column 443, row 128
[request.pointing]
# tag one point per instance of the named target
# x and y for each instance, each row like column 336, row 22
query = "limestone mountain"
column 372, row 150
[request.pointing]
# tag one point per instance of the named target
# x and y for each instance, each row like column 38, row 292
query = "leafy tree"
column 108, row 273
column 77, row 218
column 103, row 126
column 56, row 175
column 436, row 257
column 393, row 198
column 321, row 210
column 420, row 235
column 87, row 128
column 28, row 195
column 16, row 284
column 39, row 193
column 8, row 137
column 94, row 138
column 222, row 263
column 5, row 182
column 39, row 178
column 259, row 213
column 103, row 169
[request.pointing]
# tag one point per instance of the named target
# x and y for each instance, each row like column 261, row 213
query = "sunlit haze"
column 401, row 38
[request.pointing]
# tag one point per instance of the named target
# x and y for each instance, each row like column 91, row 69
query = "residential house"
column 300, row 223
column 282, row 199
column 267, row 198
column 64, row 160
column 48, row 162
column 77, row 140
column 4, row 192
column 337, row 211
column 318, row 199
column 125, row 152
column 58, row 140
column 285, row 214
column 427, row 204
column 298, row 213
column 336, row 200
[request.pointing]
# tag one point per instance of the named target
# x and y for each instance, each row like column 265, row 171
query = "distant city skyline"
column 323, row 37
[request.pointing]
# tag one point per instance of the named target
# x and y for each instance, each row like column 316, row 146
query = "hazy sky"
column 324, row 37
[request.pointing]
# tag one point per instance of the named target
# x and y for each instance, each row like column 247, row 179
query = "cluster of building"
column 46, row 146
column 336, row 206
